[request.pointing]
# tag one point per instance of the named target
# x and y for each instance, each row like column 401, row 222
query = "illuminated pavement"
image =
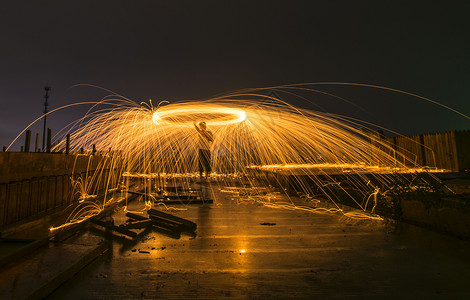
column 303, row 255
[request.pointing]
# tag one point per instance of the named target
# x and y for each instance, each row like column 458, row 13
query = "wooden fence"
column 33, row 184
column 446, row 150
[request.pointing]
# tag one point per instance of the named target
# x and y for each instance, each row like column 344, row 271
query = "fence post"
column 423, row 150
column 27, row 142
column 37, row 143
column 67, row 144
column 48, row 147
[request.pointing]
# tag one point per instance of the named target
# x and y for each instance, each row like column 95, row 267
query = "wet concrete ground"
column 38, row 272
column 304, row 255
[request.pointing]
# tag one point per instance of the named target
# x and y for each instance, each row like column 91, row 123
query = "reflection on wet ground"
column 252, row 251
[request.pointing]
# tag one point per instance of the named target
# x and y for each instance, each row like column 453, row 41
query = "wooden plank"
column 67, row 189
column 165, row 231
column 122, row 230
column 160, row 222
column 429, row 152
column 185, row 201
column 168, row 224
column 177, row 197
column 454, row 153
column 12, row 203
column 24, row 200
column 59, row 190
column 34, row 194
column 3, row 203
column 164, row 215
column 136, row 216
column 43, row 194
column 462, row 140
column 51, row 186
column 137, row 224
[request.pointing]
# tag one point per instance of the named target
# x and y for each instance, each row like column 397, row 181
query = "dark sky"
column 173, row 50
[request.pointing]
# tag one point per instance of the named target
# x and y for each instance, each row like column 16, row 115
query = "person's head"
column 203, row 125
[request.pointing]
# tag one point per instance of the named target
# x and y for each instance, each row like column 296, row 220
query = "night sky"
column 175, row 50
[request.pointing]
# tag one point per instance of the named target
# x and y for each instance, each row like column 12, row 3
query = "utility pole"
column 46, row 96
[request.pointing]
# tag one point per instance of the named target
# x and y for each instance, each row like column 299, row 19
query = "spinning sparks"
column 258, row 141
column 246, row 133
column 184, row 114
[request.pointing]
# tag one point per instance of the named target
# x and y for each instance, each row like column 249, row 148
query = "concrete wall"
column 450, row 216
column 35, row 183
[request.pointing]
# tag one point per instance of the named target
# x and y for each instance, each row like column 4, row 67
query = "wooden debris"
column 176, row 189
column 138, row 224
column 106, row 225
column 136, row 216
column 184, row 201
column 167, row 223
column 168, row 231
column 188, row 224
column 177, row 197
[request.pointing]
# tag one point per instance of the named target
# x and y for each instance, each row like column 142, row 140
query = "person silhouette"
column 204, row 149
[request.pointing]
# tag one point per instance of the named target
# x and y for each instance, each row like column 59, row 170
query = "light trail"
column 245, row 133
column 345, row 168
column 254, row 136
column 185, row 114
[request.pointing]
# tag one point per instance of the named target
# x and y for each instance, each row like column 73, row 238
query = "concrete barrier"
column 449, row 216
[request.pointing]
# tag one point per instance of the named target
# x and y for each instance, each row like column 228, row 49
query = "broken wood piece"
column 158, row 221
column 166, row 231
column 171, row 225
column 136, row 216
column 137, row 224
column 190, row 225
column 122, row 230
column 170, row 232
column 184, row 201
column 176, row 189
column 165, row 223
column 177, row 197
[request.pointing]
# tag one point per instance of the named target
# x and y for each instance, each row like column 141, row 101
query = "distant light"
column 242, row 250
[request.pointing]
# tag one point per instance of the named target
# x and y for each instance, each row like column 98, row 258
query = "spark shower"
column 258, row 140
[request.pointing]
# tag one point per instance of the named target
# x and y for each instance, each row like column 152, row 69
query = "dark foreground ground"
column 304, row 255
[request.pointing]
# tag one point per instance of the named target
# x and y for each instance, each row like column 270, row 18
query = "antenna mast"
column 46, row 96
